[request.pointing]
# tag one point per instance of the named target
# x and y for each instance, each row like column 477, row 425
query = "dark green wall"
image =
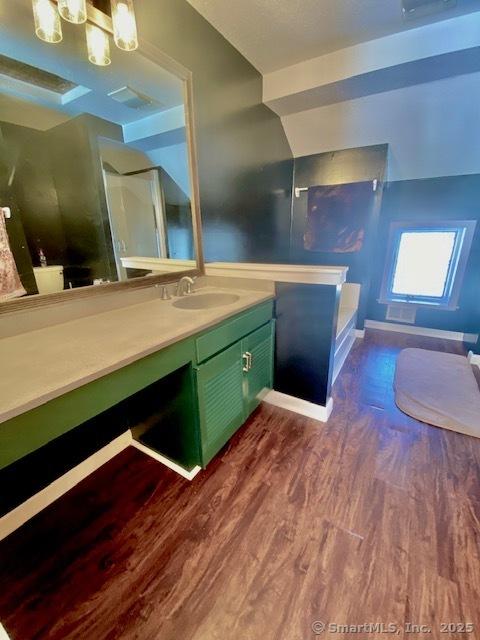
column 178, row 214
column 27, row 187
column 245, row 162
column 79, row 184
column 445, row 198
column 57, row 198
column 33, row 191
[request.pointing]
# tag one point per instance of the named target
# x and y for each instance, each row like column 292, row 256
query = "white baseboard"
column 303, row 407
column 359, row 333
column 419, row 331
column 28, row 509
column 474, row 358
column 189, row 475
column 18, row 516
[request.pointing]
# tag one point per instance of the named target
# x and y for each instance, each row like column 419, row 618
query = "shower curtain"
column 10, row 284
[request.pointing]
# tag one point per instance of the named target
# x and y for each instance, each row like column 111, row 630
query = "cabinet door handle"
column 246, row 362
column 249, row 360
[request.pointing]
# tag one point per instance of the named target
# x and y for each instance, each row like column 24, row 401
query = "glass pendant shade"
column 124, row 25
column 98, row 46
column 73, row 10
column 47, row 21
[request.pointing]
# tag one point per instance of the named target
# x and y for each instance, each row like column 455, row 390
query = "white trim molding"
column 188, row 475
column 3, row 633
column 21, row 514
column 297, row 405
column 474, row 358
column 342, row 350
column 420, row 331
column 360, row 333
column 41, row 500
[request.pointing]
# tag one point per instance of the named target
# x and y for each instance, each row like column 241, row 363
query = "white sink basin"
column 206, row 300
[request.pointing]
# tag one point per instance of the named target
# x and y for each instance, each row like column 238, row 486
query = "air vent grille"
column 133, row 99
column 401, row 313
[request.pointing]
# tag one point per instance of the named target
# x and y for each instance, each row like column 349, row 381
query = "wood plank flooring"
column 371, row 518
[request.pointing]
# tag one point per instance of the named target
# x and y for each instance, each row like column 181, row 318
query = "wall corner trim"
column 297, row 405
column 28, row 509
column 360, row 333
column 188, row 475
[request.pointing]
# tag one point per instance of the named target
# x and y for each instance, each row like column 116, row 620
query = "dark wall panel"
column 306, row 320
column 340, row 167
column 245, row 162
column 79, row 184
column 31, row 191
column 446, row 198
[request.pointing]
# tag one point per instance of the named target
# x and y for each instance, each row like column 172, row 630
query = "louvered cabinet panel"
column 220, row 399
column 259, row 347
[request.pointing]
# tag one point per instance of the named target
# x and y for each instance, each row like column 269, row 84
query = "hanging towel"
column 10, row 284
column 338, row 216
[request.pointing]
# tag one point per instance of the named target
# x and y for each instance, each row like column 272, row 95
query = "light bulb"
column 47, row 21
column 73, row 10
column 124, row 25
column 98, row 46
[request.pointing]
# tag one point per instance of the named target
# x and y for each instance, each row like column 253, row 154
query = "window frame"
column 464, row 229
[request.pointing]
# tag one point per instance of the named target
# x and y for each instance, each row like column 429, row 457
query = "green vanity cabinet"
column 220, row 400
column 184, row 401
column 229, row 387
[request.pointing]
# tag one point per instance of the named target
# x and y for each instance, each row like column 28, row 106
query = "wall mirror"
column 98, row 184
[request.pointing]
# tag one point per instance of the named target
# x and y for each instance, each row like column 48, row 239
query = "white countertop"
column 44, row 364
column 302, row 274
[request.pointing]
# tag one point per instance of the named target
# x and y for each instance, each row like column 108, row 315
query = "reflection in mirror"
column 94, row 172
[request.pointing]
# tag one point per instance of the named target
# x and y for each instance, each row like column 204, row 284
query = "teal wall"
column 245, row 162
column 444, row 198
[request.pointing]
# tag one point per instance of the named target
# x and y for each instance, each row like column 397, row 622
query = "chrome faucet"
column 189, row 282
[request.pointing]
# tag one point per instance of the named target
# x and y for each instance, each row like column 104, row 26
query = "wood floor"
column 371, row 518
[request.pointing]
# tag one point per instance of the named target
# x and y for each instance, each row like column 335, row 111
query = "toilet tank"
column 49, row 279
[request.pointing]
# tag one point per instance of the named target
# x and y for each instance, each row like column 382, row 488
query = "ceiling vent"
column 37, row 77
column 133, row 99
column 415, row 9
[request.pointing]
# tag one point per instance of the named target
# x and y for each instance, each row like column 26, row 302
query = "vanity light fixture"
column 73, row 10
column 47, row 21
column 124, row 25
column 49, row 29
column 98, row 46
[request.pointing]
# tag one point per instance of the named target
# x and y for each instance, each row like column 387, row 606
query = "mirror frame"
column 43, row 300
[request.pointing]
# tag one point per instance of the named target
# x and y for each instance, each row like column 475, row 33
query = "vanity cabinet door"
column 258, row 347
column 220, row 399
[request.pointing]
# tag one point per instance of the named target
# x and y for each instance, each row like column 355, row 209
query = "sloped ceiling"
column 273, row 34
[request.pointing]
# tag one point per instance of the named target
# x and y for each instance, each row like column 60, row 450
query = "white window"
column 426, row 263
